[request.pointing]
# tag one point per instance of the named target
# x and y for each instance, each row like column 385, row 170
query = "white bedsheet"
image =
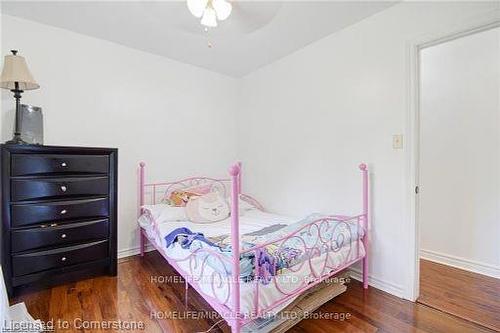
column 251, row 221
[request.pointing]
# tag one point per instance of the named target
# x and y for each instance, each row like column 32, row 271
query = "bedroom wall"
column 308, row 120
column 174, row 116
column 460, row 152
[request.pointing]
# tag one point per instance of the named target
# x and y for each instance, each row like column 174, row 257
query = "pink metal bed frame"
column 229, row 307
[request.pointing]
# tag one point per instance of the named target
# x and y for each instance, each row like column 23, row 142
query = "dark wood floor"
column 468, row 295
column 132, row 296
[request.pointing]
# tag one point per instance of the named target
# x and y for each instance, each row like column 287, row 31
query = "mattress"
column 287, row 282
column 250, row 221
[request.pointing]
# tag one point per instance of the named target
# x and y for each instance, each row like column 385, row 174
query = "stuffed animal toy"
column 210, row 207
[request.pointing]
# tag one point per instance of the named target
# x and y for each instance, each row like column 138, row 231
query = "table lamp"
column 17, row 78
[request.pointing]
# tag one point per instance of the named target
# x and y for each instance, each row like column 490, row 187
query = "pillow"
column 245, row 205
column 207, row 208
column 248, row 203
column 165, row 213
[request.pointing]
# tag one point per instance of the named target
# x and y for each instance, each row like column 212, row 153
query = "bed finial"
column 362, row 167
column 234, row 170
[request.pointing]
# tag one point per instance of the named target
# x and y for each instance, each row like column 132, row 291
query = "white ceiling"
column 257, row 32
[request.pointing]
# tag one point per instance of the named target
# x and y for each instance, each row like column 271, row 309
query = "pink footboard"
column 325, row 257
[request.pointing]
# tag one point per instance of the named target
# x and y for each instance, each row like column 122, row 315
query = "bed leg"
column 143, row 242
column 140, row 202
column 236, row 327
column 234, row 171
column 365, row 220
column 365, row 272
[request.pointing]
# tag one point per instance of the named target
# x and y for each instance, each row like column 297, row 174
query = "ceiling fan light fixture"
column 222, row 9
column 209, row 18
column 197, row 7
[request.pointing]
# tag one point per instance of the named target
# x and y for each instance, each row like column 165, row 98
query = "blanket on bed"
column 307, row 242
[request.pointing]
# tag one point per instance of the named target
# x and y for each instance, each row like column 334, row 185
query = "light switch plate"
column 397, row 141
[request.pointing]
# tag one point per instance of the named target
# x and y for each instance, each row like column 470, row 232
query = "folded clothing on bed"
column 307, row 242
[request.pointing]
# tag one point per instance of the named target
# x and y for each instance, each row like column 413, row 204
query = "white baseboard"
column 133, row 251
column 462, row 263
column 388, row 287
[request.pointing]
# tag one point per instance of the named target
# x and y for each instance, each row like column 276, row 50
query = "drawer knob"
column 64, row 164
column 64, row 188
column 63, row 236
column 63, row 259
column 64, row 211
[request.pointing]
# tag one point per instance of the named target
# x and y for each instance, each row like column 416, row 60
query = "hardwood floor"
column 134, row 295
column 468, row 295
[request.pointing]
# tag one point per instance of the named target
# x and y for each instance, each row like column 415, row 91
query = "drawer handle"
column 63, row 259
column 64, row 164
column 53, row 224
column 64, row 188
column 63, row 236
column 64, row 211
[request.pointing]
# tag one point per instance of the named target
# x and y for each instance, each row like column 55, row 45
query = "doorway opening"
column 458, row 166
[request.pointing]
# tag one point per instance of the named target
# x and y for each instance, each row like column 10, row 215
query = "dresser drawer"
column 58, row 235
column 46, row 164
column 26, row 214
column 60, row 257
column 34, row 189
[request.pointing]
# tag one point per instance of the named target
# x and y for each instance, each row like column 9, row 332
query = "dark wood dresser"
column 58, row 214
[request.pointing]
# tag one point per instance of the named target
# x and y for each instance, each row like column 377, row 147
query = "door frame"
column 486, row 22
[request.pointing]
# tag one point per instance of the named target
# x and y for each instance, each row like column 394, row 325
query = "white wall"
column 307, row 120
column 178, row 118
column 460, row 150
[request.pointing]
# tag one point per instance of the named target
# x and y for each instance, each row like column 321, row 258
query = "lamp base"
column 16, row 140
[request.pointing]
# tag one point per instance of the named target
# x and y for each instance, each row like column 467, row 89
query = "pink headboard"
column 154, row 193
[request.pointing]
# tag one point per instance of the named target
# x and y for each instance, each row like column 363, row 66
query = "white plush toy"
column 208, row 208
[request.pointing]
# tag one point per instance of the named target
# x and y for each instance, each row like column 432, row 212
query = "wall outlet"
column 397, row 141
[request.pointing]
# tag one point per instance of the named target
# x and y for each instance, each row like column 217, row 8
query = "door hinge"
column 417, row 189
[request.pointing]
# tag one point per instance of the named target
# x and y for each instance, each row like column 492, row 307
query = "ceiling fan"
column 210, row 11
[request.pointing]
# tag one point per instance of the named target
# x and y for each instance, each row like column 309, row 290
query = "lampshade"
column 16, row 70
